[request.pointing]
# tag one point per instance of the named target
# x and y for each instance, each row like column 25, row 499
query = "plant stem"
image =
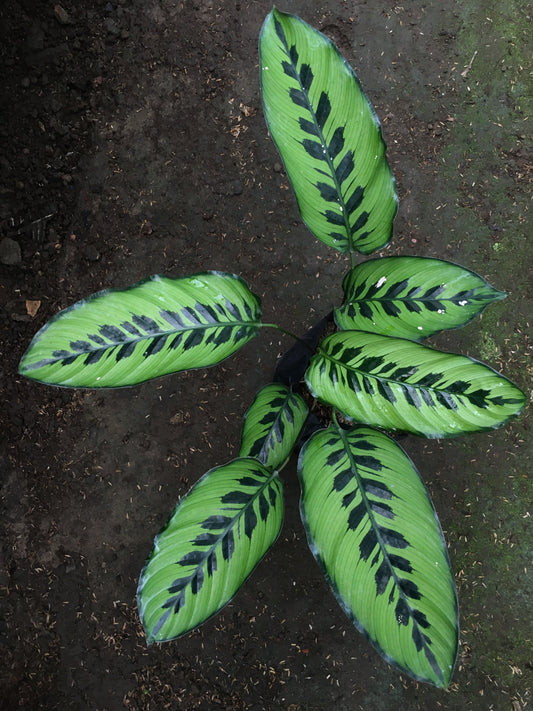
column 288, row 333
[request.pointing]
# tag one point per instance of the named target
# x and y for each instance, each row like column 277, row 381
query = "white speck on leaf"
column 381, row 282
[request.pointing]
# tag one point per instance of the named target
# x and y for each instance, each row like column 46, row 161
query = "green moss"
column 481, row 164
column 489, row 534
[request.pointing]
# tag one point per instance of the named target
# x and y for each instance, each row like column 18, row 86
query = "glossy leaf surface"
column 374, row 532
column 212, row 542
column 272, row 425
column 328, row 136
column 412, row 297
column 156, row 327
column 398, row 384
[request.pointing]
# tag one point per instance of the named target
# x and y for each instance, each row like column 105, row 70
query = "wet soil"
column 133, row 143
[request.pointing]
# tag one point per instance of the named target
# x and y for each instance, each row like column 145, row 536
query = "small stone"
column 20, row 317
column 10, row 251
column 146, row 227
column 91, row 253
column 278, row 167
column 236, row 188
column 61, row 15
column 26, row 82
column 111, row 26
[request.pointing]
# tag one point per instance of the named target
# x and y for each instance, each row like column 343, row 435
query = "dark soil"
column 133, row 143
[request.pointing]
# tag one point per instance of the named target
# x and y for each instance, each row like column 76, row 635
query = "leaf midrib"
column 140, row 339
column 375, row 527
column 234, row 520
column 386, row 379
column 401, row 298
column 310, row 108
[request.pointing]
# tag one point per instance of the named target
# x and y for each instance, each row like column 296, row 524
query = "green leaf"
column 374, row 532
column 212, row 542
column 412, row 297
column 397, row 384
column 328, row 135
column 156, row 327
column 272, row 425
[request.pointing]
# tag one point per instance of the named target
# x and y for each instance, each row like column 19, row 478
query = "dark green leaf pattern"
column 212, row 542
column 328, row 136
column 272, row 425
column 411, row 297
column 398, row 384
column 156, row 327
column 374, row 532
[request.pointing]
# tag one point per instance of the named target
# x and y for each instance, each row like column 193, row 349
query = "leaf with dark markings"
column 213, row 540
column 397, row 384
column 386, row 562
column 272, row 425
column 411, row 297
column 328, row 136
column 156, row 327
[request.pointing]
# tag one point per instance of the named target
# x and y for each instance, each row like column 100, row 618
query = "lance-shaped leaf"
column 375, row 534
column 212, row 542
column 411, row 297
column 328, row 136
column 156, row 327
column 272, row 425
column 398, row 384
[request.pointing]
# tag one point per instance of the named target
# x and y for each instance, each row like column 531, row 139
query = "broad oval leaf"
column 212, row 542
column 158, row 326
column 375, row 534
column 398, row 384
column 412, row 297
column 272, row 425
column 328, row 135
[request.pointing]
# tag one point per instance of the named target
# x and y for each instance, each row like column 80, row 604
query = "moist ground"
column 133, row 143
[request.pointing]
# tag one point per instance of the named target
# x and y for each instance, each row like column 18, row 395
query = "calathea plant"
column 368, row 517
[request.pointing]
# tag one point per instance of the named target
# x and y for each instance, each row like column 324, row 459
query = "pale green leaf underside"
column 212, row 542
column 158, row 326
column 272, row 425
column 397, row 384
column 328, row 136
column 374, row 532
column 411, row 297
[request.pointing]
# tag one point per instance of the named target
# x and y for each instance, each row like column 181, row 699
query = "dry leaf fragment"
column 32, row 307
